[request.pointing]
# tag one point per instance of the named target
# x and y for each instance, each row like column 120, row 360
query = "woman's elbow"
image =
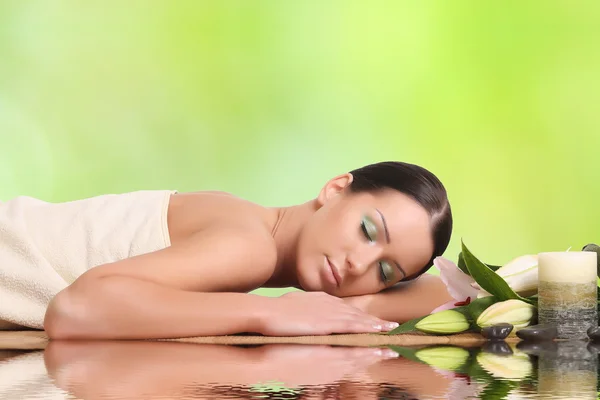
column 64, row 318
column 54, row 324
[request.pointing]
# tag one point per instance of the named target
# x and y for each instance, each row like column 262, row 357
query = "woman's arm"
column 188, row 290
column 119, row 369
column 404, row 302
column 154, row 295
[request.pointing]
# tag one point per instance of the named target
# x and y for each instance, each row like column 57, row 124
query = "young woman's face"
column 362, row 243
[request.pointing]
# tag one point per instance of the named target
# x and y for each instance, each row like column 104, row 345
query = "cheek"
column 311, row 243
column 332, row 232
column 343, row 229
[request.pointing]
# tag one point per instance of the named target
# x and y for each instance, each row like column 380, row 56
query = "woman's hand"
column 149, row 369
column 318, row 313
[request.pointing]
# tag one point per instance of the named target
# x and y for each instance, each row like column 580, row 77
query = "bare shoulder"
column 191, row 212
column 218, row 243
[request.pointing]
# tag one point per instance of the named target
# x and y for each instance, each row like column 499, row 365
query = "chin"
column 309, row 286
column 310, row 281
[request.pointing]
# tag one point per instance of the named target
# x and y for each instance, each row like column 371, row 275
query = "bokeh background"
column 269, row 99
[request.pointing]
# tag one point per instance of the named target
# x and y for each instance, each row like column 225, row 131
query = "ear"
column 334, row 187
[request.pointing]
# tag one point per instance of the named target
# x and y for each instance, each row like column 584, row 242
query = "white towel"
column 45, row 246
column 25, row 377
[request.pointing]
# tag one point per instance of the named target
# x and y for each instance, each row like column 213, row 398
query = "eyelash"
column 363, row 227
column 384, row 278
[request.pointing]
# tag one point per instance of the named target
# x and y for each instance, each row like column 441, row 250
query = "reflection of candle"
column 568, row 371
column 567, row 292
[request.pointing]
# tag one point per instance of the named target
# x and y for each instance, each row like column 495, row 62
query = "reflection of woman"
column 160, row 264
column 137, row 369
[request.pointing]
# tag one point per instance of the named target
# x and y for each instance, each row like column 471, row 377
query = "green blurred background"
column 269, row 99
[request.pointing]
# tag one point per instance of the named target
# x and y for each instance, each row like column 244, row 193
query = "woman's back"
column 44, row 246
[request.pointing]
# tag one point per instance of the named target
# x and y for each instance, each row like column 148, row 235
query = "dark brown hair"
column 419, row 184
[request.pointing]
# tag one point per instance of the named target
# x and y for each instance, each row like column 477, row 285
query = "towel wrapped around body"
column 45, row 246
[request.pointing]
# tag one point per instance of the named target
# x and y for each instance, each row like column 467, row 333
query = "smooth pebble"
column 498, row 331
column 498, row 347
column 593, row 332
column 538, row 332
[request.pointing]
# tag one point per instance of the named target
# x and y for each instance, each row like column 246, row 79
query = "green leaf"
column 488, row 279
column 475, row 308
column 533, row 300
column 475, row 370
column 463, row 267
column 471, row 311
column 407, row 352
column 467, row 367
column 498, row 390
column 408, row 326
column 461, row 264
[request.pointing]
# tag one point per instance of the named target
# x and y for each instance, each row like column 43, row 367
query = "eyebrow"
column 387, row 238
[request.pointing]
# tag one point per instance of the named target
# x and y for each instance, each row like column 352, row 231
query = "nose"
column 362, row 258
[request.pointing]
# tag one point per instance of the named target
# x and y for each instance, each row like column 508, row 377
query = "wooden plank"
column 23, row 340
column 28, row 340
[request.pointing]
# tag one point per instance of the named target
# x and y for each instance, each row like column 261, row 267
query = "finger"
column 357, row 326
column 372, row 352
column 389, row 325
column 386, row 325
column 368, row 318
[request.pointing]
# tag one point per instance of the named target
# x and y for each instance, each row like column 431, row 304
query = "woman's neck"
column 286, row 232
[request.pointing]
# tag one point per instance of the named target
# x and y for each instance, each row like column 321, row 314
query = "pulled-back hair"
column 419, row 184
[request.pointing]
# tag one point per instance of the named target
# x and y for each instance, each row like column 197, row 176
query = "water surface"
column 177, row 371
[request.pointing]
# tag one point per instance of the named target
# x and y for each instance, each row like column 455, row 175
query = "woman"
column 158, row 264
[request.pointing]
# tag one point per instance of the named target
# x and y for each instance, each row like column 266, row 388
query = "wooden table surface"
column 27, row 340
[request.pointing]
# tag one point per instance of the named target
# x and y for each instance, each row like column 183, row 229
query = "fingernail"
column 392, row 325
column 389, row 353
column 378, row 327
column 378, row 352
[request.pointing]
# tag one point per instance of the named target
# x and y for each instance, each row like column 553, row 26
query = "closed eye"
column 386, row 272
column 369, row 229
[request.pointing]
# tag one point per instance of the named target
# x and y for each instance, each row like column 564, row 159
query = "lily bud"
column 449, row 358
column 515, row 312
column 514, row 367
column 521, row 274
column 443, row 322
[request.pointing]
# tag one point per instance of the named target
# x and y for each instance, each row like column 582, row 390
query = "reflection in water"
column 567, row 370
column 115, row 370
column 153, row 370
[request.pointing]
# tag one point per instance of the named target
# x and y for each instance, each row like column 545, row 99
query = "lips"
column 335, row 271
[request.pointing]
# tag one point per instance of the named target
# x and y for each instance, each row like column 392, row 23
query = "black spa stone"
column 537, row 348
column 497, row 332
column 594, row 347
column 593, row 333
column 538, row 332
column 498, row 347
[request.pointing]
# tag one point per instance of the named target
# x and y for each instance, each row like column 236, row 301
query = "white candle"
column 567, row 292
column 567, row 266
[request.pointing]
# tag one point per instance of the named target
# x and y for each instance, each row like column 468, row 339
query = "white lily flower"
column 514, row 312
column 512, row 368
column 458, row 284
column 521, row 274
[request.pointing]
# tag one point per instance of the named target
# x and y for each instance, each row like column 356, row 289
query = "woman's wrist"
column 264, row 313
column 360, row 302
